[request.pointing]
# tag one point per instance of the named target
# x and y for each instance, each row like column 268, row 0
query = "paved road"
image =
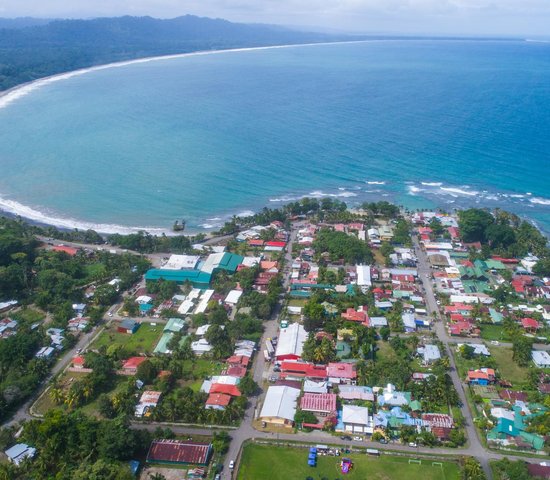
column 424, row 271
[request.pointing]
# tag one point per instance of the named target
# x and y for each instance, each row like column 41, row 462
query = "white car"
column 231, row 465
column 495, row 342
column 358, row 439
column 412, row 444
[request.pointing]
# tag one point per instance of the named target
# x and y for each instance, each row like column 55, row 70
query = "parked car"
column 345, row 437
column 413, row 444
column 276, row 369
column 382, row 440
column 358, row 439
column 231, row 464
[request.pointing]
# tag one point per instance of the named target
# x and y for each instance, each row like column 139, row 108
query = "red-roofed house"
column 179, row 452
column 130, row 366
column 321, row 403
column 238, row 361
column 353, row 315
column 341, row 373
column 453, row 232
column 68, row 250
column 253, row 242
column 217, row 401
column 274, row 243
column 231, row 390
column 78, row 362
column 303, row 370
column 440, row 424
column 530, row 324
column 236, row 371
column 483, row 376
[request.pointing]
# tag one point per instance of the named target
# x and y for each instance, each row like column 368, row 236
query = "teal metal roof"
column 196, row 277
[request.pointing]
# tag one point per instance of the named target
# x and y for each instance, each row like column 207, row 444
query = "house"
column 478, row 348
column 356, row 419
column 200, row 347
column 530, row 324
column 311, row 386
column 226, row 389
column 148, row 401
column 364, row 281
column 430, row 354
column 341, row 372
column 291, row 342
column 541, row 358
column 128, row 326
column 279, row 405
column 179, row 452
column 174, row 325
column 538, row 470
column 130, row 366
column 20, row 452
column 300, row 370
column 482, row 376
column 44, row 353
column 323, row 404
column 355, row 392
column 439, row 424
column 233, row 297
column 392, row 398
column 408, row 322
column 217, row 401
column 78, row 362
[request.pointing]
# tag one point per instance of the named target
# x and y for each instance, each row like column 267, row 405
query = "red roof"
column 78, row 361
column 133, row 363
column 538, row 471
column 238, row 360
column 438, row 420
column 453, row 231
column 341, row 370
column 63, row 248
column 354, row 316
column 226, row 389
column 274, row 243
column 506, row 260
column 513, row 396
column 218, row 399
column 179, row 451
column 236, row 371
column 529, row 323
column 303, row 369
column 319, row 402
column 256, row 243
column 457, row 317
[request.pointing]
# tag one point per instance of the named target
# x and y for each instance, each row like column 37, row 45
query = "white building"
column 181, row 262
column 280, row 405
column 20, row 452
column 356, row 419
column 200, row 347
column 430, row 354
column 291, row 342
column 364, row 280
column 541, row 358
column 233, row 297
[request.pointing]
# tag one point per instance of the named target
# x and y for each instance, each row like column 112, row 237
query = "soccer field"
column 283, row 463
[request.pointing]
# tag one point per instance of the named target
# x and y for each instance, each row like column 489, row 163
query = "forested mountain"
column 30, row 49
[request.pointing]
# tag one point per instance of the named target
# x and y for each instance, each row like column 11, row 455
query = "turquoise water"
column 420, row 123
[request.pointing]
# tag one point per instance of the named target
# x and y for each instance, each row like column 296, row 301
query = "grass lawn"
column 283, row 463
column 509, row 370
column 28, row 316
column 297, row 302
column 384, row 351
column 143, row 341
column 199, row 370
column 45, row 402
column 493, row 332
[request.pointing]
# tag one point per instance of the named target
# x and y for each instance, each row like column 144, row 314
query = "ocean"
column 422, row 123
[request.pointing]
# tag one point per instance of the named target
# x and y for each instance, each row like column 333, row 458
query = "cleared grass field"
column 509, row 370
column 143, row 341
column 284, row 463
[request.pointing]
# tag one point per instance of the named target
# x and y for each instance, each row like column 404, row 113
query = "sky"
column 466, row 17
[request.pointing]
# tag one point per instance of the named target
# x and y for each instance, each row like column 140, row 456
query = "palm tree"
column 57, row 395
column 156, row 476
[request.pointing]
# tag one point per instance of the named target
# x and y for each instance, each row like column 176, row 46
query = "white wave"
column 286, row 198
column 431, row 184
column 375, row 183
column 210, row 225
column 458, row 191
column 540, row 201
column 320, row 194
column 245, row 213
column 514, row 195
column 413, row 190
column 529, row 193
column 16, row 208
column 214, row 219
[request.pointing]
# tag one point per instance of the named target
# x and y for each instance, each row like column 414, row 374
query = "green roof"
column 415, row 406
column 196, row 277
column 496, row 317
column 162, row 345
column 536, row 440
column 230, row 262
column 507, row 427
column 174, row 325
column 495, row 264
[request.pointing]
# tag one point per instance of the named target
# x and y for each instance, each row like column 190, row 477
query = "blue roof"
column 196, row 277
column 134, row 466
